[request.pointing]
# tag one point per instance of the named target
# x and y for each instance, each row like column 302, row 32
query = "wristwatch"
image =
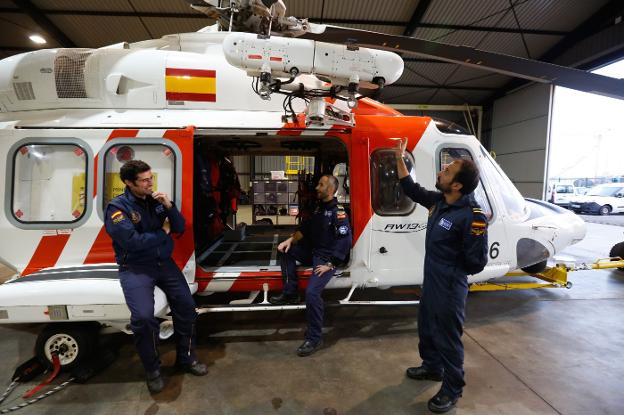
column 329, row 264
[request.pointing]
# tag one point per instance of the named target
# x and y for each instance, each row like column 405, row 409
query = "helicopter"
column 188, row 104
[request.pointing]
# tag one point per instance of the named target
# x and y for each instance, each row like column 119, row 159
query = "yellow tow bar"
column 555, row 277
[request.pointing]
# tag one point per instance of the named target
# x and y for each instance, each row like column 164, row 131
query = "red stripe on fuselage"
column 206, row 73
column 184, row 245
column 47, row 253
column 373, row 132
column 102, row 249
column 191, row 96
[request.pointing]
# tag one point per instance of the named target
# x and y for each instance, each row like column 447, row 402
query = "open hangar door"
column 584, row 164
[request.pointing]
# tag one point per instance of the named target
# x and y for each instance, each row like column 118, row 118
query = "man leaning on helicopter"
column 140, row 222
column 455, row 247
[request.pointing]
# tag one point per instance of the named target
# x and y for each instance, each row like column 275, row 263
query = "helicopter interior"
column 252, row 192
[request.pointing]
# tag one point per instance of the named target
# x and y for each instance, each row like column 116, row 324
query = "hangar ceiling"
column 536, row 29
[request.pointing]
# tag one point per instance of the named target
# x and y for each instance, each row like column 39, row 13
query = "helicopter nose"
column 552, row 229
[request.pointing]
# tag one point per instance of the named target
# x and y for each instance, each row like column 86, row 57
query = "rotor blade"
column 463, row 55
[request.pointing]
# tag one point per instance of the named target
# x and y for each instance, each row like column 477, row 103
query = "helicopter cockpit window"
column 387, row 194
column 161, row 158
column 447, row 156
column 514, row 203
column 49, row 184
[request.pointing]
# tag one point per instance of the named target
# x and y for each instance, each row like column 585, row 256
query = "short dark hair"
column 467, row 176
column 131, row 169
column 333, row 180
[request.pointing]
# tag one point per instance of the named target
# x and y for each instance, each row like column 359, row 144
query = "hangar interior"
column 527, row 352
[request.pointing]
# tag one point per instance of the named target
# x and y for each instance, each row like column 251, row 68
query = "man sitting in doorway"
column 324, row 240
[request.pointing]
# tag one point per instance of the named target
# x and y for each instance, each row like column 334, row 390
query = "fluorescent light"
column 37, row 39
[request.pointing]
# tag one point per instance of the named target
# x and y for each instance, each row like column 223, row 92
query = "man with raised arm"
column 455, row 247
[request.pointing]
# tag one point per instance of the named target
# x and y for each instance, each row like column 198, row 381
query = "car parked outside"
column 603, row 199
column 560, row 194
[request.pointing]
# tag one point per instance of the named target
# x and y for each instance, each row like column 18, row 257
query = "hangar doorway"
column 585, row 149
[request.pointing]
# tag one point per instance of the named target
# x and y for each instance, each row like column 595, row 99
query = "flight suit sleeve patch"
column 117, row 216
column 478, row 227
column 341, row 213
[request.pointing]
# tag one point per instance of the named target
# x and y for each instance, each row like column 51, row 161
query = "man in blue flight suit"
column 324, row 241
column 455, row 247
column 140, row 221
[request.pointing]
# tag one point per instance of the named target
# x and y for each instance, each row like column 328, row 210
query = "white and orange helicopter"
column 71, row 117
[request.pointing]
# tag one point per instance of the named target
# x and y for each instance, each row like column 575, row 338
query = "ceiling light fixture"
column 37, row 39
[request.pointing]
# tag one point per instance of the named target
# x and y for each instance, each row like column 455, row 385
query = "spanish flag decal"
column 191, row 85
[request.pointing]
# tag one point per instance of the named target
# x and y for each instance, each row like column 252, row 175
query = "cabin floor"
column 258, row 248
column 552, row 351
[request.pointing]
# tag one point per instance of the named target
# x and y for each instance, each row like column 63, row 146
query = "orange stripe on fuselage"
column 373, row 132
column 47, row 253
column 102, row 249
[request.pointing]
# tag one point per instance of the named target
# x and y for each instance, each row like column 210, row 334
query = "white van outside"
column 560, row 193
column 602, row 199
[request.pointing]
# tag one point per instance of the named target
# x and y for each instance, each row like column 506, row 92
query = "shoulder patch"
column 135, row 217
column 478, row 227
column 340, row 212
column 117, row 216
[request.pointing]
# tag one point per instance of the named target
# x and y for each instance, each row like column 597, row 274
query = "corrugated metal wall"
column 263, row 167
column 242, row 164
column 520, row 134
column 266, row 164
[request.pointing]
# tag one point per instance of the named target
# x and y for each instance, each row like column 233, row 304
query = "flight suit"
column 455, row 247
column 326, row 238
column 143, row 251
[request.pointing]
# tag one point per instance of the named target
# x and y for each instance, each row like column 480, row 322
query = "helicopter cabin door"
column 398, row 225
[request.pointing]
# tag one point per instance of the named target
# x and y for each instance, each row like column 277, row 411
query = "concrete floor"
column 527, row 352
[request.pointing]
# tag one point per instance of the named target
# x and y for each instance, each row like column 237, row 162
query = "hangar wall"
column 520, row 134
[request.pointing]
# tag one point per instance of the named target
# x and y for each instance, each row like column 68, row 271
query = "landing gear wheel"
column 604, row 210
column 617, row 250
column 535, row 268
column 73, row 343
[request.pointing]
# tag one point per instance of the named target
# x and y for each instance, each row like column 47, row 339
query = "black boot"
column 196, row 368
column 420, row 373
column 284, row 299
column 307, row 348
column 155, row 382
column 442, row 402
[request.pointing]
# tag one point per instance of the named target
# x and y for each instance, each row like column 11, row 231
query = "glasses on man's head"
column 146, row 179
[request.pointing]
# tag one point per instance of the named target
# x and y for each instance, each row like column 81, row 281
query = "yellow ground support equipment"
column 555, row 277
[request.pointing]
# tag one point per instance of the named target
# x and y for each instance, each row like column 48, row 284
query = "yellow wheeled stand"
column 555, row 277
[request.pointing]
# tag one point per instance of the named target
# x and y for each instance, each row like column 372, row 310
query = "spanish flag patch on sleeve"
column 478, row 227
column 117, row 216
